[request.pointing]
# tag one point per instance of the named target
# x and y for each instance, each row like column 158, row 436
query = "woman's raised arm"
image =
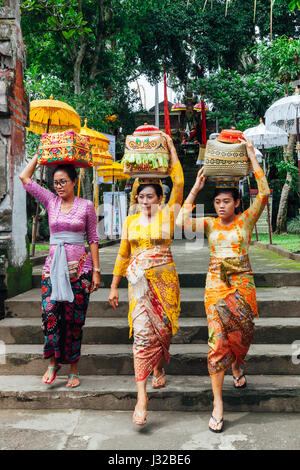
column 184, row 220
column 28, row 171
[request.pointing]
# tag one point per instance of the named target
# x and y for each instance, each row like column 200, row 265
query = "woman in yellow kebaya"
column 145, row 258
column 230, row 296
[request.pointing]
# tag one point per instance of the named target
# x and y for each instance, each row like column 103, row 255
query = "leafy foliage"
column 281, row 59
column 293, row 225
column 238, row 100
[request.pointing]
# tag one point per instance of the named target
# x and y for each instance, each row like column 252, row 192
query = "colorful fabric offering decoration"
column 146, row 153
column 65, row 148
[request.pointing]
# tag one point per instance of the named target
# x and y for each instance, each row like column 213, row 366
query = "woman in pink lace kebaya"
column 69, row 274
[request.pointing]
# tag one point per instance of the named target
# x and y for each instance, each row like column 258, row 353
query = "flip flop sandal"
column 142, row 421
column 237, row 379
column 54, row 376
column 217, row 423
column 155, row 380
column 70, row 385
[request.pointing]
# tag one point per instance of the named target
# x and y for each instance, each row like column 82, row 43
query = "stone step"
column 272, row 302
column 188, row 359
column 197, row 279
column 115, row 331
column 272, row 393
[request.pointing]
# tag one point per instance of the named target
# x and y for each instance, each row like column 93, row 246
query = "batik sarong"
column 230, row 317
column 152, row 328
column 63, row 321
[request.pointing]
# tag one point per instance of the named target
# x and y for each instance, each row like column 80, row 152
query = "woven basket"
column 226, row 159
column 60, row 148
column 146, row 153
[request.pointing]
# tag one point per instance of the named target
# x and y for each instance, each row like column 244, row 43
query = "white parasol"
column 284, row 113
column 263, row 137
column 266, row 137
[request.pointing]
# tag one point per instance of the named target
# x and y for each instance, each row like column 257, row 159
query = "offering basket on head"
column 226, row 156
column 146, row 153
column 61, row 148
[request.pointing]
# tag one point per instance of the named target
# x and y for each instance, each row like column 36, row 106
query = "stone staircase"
column 106, row 365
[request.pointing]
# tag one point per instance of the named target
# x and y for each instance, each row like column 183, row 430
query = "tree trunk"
column 77, row 68
column 282, row 211
column 87, row 189
column 99, row 41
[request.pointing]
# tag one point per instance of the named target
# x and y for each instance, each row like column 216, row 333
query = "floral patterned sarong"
column 152, row 329
column 63, row 321
column 230, row 317
column 152, row 334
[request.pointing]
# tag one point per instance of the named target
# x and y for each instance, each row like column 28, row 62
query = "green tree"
column 282, row 58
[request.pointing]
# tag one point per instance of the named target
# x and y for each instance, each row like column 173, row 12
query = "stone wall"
column 15, row 268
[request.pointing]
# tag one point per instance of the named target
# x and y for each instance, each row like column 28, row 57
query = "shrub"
column 293, row 225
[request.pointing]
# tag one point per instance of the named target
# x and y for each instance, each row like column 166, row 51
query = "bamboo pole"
column 226, row 9
column 251, row 201
column 35, row 220
column 268, row 204
column 271, row 20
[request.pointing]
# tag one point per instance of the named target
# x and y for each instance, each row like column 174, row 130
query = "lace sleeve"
column 176, row 175
column 41, row 194
column 190, row 223
column 123, row 257
column 91, row 224
column 252, row 214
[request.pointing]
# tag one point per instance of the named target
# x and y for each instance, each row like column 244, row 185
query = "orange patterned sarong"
column 230, row 316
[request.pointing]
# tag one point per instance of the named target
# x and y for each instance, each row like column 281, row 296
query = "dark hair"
column 157, row 188
column 69, row 169
column 235, row 193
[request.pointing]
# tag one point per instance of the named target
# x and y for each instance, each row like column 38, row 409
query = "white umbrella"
column 266, row 137
column 284, row 113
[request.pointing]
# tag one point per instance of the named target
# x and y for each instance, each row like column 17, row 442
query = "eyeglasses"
column 60, row 183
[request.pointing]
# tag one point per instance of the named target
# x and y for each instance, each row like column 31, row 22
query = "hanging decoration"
column 226, row 8
column 254, row 12
column 203, row 123
column 166, row 108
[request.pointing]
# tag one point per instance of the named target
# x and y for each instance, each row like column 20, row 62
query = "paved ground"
column 193, row 256
column 112, row 430
column 102, row 430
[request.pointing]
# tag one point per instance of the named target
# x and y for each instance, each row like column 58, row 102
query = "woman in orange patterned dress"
column 230, row 297
column 154, row 298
